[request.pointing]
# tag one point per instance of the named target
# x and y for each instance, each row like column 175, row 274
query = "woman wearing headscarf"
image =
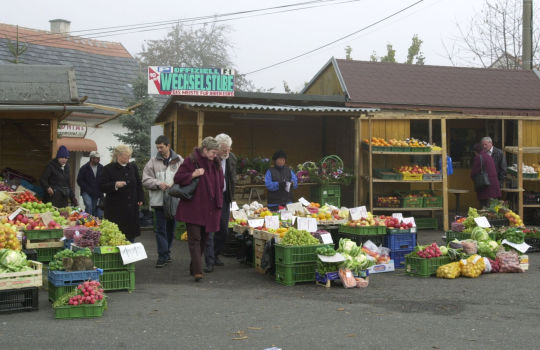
column 482, row 161
column 121, row 183
column 279, row 181
column 202, row 212
column 56, row 180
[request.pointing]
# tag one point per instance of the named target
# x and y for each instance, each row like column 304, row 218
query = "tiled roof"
column 393, row 85
column 104, row 70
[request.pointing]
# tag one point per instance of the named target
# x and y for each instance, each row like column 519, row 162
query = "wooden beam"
column 358, row 192
column 370, row 164
column 54, row 136
column 112, row 109
column 200, row 125
column 129, row 111
column 448, row 115
column 520, row 167
column 444, row 175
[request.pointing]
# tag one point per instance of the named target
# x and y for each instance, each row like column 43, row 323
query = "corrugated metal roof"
column 276, row 108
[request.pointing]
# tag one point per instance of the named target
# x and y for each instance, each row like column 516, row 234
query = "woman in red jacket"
column 203, row 211
column 493, row 190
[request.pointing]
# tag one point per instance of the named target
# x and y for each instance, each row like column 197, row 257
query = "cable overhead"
column 337, row 40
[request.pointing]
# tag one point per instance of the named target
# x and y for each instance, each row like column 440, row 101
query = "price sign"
column 234, row 206
column 398, row 216
column 302, row 223
column 326, row 238
column 256, row 223
column 271, row 222
column 411, row 220
column 14, row 214
column 286, row 215
column 46, row 217
column 239, row 215
column 312, row 225
column 131, row 253
column 304, row 202
column 293, row 219
column 482, row 221
column 358, row 213
column 294, row 207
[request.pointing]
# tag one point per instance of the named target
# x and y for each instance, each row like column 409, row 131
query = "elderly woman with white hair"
column 121, row 183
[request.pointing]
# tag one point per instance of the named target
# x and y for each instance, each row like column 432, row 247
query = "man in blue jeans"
column 158, row 177
column 88, row 180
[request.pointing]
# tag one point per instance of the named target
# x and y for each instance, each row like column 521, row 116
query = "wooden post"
column 444, row 174
column 54, row 137
column 520, row 167
column 358, row 188
column 370, row 163
column 200, row 124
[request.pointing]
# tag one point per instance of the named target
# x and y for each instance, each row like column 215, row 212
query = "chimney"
column 60, row 26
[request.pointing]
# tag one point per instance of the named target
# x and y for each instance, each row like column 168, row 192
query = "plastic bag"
column 508, row 261
column 487, row 268
column 451, row 270
column 469, row 247
column 361, row 282
column 371, row 249
column 384, row 255
column 347, row 278
column 472, row 266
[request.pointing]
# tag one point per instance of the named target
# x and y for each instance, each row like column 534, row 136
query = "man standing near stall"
column 158, row 177
column 498, row 158
column 88, row 181
column 216, row 241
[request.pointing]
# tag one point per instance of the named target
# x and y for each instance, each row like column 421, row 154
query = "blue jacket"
column 88, row 182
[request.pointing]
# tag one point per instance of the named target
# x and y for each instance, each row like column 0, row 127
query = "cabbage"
column 348, row 247
column 13, row 260
column 479, row 234
column 488, row 249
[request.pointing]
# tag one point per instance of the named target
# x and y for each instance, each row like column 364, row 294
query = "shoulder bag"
column 481, row 180
column 184, row 192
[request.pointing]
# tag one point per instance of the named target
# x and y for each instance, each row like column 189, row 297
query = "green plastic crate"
column 332, row 200
column 412, row 202
column 289, row 275
column 326, row 193
column 416, row 266
column 387, row 174
column 123, row 279
column 286, row 254
column 57, row 292
column 420, row 149
column 44, row 234
column 433, row 202
column 110, row 261
column 400, row 149
column 426, row 223
column 45, row 255
column 363, row 230
column 81, row 311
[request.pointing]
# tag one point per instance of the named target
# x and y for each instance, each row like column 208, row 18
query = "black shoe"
column 161, row 263
column 169, row 259
column 218, row 262
column 209, row 269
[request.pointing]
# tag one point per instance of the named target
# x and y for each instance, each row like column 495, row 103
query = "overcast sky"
column 260, row 41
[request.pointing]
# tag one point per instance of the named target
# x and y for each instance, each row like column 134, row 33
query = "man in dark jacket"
column 56, row 180
column 216, row 241
column 88, row 181
column 279, row 180
column 498, row 158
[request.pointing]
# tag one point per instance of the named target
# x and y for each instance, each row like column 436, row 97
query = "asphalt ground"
column 237, row 308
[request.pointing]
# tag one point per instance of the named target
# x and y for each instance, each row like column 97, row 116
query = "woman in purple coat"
column 203, row 211
column 493, row 190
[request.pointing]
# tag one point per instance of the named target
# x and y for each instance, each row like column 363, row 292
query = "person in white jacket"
column 158, row 176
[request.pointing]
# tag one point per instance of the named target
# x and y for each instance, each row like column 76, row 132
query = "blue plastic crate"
column 400, row 241
column 69, row 278
column 399, row 257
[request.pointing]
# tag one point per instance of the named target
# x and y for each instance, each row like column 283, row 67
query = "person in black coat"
column 88, row 181
column 498, row 158
column 121, row 183
column 56, row 180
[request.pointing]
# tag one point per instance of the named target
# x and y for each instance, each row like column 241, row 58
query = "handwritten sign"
column 482, row 221
column 14, row 214
column 522, row 247
column 304, row 202
column 286, row 215
column 234, row 206
column 239, row 215
column 131, row 253
column 46, row 217
column 358, row 213
column 294, row 207
column 255, row 223
column 271, row 222
column 398, row 216
column 411, row 220
column 302, row 223
column 326, row 238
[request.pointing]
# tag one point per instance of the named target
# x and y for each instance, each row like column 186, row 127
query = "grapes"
column 299, row 237
column 111, row 234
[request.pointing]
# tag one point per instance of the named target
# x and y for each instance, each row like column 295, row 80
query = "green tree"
column 414, row 55
column 16, row 49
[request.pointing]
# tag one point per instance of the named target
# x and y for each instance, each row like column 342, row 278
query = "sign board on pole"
column 167, row 80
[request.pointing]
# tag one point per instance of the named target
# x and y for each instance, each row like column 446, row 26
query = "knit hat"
column 94, row 154
column 62, row 152
column 279, row 154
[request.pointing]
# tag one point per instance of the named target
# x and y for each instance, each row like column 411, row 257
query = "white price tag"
column 332, row 259
column 327, row 238
column 256, row 223
column 46, row 217
column 304, row 202
column 271, row 222
column 482, row 221
column 312, row 225
column 131, row 253
column 522, row 247
column 286, row 215
column 398, row 216
column 77, row 233
column 411, row 220
column 302, row 223
column 358, row 213
column 293, row 220
column 294, row 207
column 239, row 215
column 234, row 206
column 14, row 214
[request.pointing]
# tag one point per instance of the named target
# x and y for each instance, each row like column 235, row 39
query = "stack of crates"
column 296, row 263
column 64, row 282
column 362, row 234
column 19, row 290
column 401, row 243
column 116, row 275
column 45, row 242
column 330, row 194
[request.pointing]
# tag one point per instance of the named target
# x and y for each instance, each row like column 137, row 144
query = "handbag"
column 101, row 203
column 184, row 192
column 481, row 180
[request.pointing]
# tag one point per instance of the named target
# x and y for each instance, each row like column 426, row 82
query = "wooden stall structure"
column 30, row 110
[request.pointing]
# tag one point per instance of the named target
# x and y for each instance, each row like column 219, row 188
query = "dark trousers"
column 216, row 240
column 164, row 233
column 197, row 237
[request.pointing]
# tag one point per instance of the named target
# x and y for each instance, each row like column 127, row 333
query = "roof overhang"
column 77, row 144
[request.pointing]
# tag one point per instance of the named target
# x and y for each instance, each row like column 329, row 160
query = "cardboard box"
column 382, row 268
